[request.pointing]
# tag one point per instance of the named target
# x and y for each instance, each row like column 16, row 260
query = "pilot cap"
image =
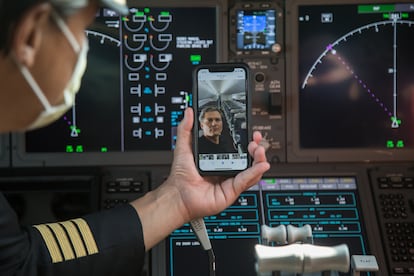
column 119, row 6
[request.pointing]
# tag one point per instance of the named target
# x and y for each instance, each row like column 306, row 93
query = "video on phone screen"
column 222, row 132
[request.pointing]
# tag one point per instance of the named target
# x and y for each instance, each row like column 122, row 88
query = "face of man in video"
column 212, row 124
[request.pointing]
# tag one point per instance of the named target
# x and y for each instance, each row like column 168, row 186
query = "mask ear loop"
column 28, row 76
column 32, row 82
column 65, row 30
column 70, row 37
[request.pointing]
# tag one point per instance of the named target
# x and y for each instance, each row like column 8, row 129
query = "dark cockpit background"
column 332, row 93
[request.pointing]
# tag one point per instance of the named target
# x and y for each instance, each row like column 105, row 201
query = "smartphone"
column 222, row 108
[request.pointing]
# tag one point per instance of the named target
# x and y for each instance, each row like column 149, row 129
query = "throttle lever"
column 302, row 258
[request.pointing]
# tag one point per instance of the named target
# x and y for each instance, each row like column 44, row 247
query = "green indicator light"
column 404, row 15
column 375, row 8
column 195, row 58
column 165, row 13
column 400, row 144
column 187, row 98
column 139, row 13
column 390, row 144
column 104, row 149
column 69, row 149
column 270, row 181
column 79, row 148
column 147, row 10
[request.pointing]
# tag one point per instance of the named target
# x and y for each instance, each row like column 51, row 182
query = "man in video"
column 212, row 140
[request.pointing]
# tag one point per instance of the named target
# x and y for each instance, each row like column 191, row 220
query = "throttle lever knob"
column 302, row 258
column 274, row 234
column 299, row 234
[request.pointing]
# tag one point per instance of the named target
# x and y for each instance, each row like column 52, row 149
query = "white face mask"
column 52, row 113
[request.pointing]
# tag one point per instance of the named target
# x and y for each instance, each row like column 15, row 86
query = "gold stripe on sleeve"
column 63, row 241
column 75, row 238
column 50, row 242
column 87, row 236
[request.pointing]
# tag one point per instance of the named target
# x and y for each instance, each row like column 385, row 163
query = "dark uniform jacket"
column 206, row 146
column 104, row 243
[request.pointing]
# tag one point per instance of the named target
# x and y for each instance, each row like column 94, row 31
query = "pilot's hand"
column 186, row 195
column 203, row 196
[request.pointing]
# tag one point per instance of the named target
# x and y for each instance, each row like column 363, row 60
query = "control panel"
column 256, row 37
column 393, row 191
column 330, row 206
column 122, row 185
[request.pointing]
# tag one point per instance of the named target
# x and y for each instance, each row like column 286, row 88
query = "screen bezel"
column 21, row 158
column 4, row 150
column 216, row 68
column 295, row 153
column 259, row 7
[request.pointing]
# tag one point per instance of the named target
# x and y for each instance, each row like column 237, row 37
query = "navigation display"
column 356, row 68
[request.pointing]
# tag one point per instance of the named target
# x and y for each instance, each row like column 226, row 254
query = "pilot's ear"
column 28, row 33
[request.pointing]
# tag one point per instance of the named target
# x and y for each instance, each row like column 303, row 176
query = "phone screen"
column 221, row 127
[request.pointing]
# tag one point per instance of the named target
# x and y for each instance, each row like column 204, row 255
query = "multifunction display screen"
column 356, row 71
column 138, row 81
column 256, row 29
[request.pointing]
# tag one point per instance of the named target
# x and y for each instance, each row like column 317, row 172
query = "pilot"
column 42, row 59
column 211, row 124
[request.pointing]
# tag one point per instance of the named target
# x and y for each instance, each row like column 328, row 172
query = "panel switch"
column 361, row 263
column 275, row 103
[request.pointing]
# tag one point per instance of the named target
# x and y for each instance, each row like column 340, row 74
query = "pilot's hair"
column 11, row 11
column 209, row 109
